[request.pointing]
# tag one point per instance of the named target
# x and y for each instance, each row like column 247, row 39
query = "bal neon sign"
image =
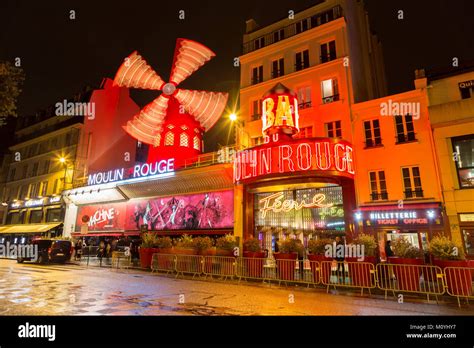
column 138, row 171
column 280, row 111
column 276, row 203
column 325, row 155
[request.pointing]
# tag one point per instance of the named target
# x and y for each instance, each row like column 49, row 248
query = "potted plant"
column 147, row 248
column 359, row 267
column 226, row 245
column 317, row 251
column 448, row 254
column 164, row 245
column 286, row 258
column 185, row 246
column 254, row 258
column 409, row 258
column 203, row 246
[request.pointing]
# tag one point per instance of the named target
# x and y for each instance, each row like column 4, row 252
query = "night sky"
column 60, row 56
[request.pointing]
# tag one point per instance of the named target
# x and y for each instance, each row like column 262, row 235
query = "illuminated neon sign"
column 138, row 171
column 280, row 111
column 274, row 203
column 325, row 155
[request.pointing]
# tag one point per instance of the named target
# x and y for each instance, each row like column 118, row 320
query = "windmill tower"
column 174, row 123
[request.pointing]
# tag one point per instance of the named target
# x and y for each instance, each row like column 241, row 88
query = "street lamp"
column 64, row 162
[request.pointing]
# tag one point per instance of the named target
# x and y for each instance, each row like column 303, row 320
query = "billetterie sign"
column 138, row 171
column 326, row 155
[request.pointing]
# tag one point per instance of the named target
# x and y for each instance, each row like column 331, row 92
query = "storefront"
column 286, row 186
column 417, row 223
column 466, row 225
column 195, row 201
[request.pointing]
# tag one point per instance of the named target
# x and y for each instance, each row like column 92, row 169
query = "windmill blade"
column 146, row 126
column 206, row 107
column 136, row 73
column 188, row 57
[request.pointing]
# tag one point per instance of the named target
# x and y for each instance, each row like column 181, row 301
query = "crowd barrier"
column 425, row 280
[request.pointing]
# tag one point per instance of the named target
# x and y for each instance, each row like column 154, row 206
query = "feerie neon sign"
column 334, row 156
column 275, row 203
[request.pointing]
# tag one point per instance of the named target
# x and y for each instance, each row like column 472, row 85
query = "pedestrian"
column 340, row 251
column 300, row 257
column 101, row 250
column 277, row 248
column 78, row 249
column 388, row 249
column 108, row 249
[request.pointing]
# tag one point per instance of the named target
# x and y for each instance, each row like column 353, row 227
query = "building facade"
column 451, row 110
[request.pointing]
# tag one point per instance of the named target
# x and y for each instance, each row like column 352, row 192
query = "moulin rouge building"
column 315, row 156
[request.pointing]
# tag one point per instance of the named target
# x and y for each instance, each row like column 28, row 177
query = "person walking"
column 388, row 249
column 78, row 250
column 340, row 251
column 301, row 253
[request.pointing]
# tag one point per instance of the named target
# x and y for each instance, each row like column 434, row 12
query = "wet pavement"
column 30, row 289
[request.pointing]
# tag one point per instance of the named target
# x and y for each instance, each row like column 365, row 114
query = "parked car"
column 50, row 251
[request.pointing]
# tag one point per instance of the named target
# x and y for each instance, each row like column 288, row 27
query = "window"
column 24, row 171
column 466, row 89
column 33, row 190
column 278, row 35
column 405, row 129
column 329, row 91
column 68, row 139
column 54, row 143
column 302, row 60
column 44, row 188
column 256, row 110
column 169, row 139
column 15, row 218
column 53, row 215
column 196, row 142
column 46, row 167
column 57, row 186
column 304, row 97
column 463, row 155
column 36, row 216
column 302, row 26
column 412, row 182
column 372, row 133
column 259, row 43
column 333, row 129
column 183, row 140
column 23, row 191
column 35, row 169
column 306, row 132
column 12, row 174
column 257, row 141
column 328, row 51
column 257, row 74
column 378, row 186
column 278, row 68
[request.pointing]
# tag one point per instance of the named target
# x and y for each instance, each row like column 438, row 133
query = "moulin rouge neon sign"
column 333, row 156
column 276, row 203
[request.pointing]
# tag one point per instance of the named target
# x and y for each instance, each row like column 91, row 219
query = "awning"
column 406, row 205
column 29, row 228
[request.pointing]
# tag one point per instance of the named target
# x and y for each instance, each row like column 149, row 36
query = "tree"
column 11, row 80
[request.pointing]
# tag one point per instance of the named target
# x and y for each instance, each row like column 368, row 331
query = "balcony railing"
column 256, row 80
column 413, row 193
column 328, row 57
column 291, row 30
column 277, row 73
column 304, row 105
column 256, row 117
column 379, row 196
column 370, row 143
column 330, row 99
column 301, row 66
column 405, row 138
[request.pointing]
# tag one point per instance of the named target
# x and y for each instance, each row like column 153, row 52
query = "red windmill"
column 173, row 123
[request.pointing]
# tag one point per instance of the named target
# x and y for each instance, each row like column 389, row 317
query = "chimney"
column 420, row 79
column 250, row 25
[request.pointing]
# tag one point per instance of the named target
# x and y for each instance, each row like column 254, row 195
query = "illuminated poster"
column 189, row 212
column 307, row 209
column 102, row 217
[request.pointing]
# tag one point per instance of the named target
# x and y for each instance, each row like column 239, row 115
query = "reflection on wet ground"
column 29, row 289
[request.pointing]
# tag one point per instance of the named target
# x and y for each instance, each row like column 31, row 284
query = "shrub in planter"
column 317, row 250
column 185, row 246
column 359, row 269
column 254, row 258
column 164, row 245
column 286, row 258
column 147, row 248
column 225, row 245
column 447, row 254
column 408, row 277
